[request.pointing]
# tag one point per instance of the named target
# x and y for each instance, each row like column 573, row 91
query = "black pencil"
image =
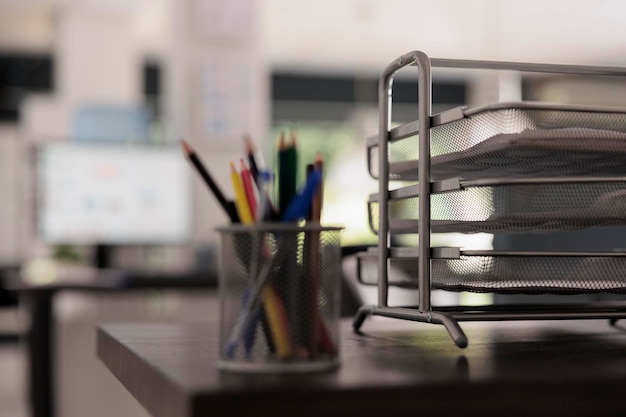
column 228, row 206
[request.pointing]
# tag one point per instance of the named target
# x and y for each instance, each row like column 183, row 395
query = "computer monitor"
column 98, row 194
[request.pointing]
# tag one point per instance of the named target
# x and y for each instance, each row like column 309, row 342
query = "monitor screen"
column 112, row 194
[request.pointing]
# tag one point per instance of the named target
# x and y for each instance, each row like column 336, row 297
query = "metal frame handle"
column 424, row 84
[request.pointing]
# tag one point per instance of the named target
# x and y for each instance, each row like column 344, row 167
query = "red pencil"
column 248, row 187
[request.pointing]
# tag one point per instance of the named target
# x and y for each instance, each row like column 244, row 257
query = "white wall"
column 216, row 91
column 96, row 57
column 367, row 34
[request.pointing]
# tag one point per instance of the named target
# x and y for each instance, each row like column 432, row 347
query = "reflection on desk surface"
column 551, row 350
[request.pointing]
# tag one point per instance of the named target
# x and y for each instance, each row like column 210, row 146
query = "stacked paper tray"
column 506, row 273
column 521, row 139
column 511, row 207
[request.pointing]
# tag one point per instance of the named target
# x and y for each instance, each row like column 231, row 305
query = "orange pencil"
column 316, row 206
column 320, row 337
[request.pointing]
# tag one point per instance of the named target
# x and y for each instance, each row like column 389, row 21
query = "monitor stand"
column 102, row 256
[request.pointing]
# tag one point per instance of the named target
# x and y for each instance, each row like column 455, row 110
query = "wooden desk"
column 38, row 300
column 394, row 368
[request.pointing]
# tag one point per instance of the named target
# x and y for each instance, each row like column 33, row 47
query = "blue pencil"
column 301, row 204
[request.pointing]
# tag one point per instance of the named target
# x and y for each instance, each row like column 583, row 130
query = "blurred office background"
column 146, row 73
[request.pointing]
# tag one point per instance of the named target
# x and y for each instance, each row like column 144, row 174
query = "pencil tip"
column 186, row 148
column 281, row 143
column 292, row 138
column 232, row 166
column 248, row 144
column 319, row 160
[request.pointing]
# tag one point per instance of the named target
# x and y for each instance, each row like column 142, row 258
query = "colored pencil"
column 249, row 334
column 240, row 196
column 272, row 311
column 316, row 205
column 319, row 333
column 266, row 209
column 248, row 187
column 301, row 203
column 255, row 299
column 254, row 168
column 228, row 206
column 279, row 325
column 287, row 174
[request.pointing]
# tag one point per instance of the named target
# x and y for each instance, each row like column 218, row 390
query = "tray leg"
column 435, row 317
column 361, row 315
column 453, row 328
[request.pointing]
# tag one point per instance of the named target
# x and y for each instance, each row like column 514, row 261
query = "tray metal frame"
column 410, row 225
column 424, row 311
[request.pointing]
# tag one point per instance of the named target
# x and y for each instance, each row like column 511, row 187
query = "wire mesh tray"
column 511, row 208
column 522, row 273
column 520, row 139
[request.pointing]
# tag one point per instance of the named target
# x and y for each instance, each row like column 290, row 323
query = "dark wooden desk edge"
column 162, row 399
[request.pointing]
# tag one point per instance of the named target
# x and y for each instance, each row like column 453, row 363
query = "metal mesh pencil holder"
column 280, row 297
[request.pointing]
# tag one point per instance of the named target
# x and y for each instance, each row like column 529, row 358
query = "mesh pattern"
column 399, row 152
column 294, row 322
column 531, row 274
column 514, row 208
column 571, row 151
column 463, row 134
column 402, row 272
column 517, row 142
column 508, row 274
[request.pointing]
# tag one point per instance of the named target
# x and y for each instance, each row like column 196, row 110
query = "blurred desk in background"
column 393, row 368
column 38, row 300
column 8, row 302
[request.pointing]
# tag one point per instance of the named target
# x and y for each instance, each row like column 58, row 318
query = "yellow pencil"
column 273, row 305
column 277, row 317
column 240, row 196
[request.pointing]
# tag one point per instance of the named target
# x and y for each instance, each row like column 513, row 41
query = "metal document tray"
column 504, row 167
column 506, row 272
column 555, row 204
column 512, row 139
